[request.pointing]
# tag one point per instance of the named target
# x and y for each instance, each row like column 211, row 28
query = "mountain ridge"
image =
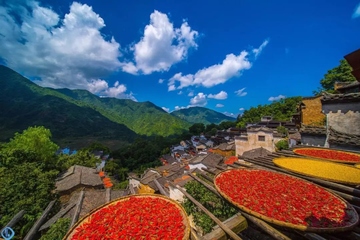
column 201, row 115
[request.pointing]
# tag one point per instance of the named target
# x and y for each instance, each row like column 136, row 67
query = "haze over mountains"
column 80, row 116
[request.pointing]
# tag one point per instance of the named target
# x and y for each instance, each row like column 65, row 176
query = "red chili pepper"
column 329, row 154
column 135, row 218
column 283, row 198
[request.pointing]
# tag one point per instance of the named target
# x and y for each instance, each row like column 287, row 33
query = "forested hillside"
column 281, row 111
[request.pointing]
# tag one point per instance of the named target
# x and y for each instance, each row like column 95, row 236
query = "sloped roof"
column 226, row 146
column 258, row 129
column 312, row 130
column 212, row 160
column 78, row 175
column 337, row 137
column 257, row 152
column 348, row 97
column 295, row 136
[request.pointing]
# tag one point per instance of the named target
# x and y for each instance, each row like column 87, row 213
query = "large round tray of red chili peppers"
column 285, row 200
column 145, row 216
column 329, row 154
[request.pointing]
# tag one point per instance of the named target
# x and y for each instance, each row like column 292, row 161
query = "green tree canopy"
column 197, row 128
column 341, row 73
column 36, row 140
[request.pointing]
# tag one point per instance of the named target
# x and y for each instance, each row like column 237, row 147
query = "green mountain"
column 73, row 114
column 24, row 104
column 142, row 117
column 201, row 115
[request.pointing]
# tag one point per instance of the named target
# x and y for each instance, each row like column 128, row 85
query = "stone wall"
column 345, row 147
column 348, row 122
column 311, row 112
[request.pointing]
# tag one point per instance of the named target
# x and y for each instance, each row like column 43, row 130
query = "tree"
column 58, row 230
column 197, row 128
column 341, row 73
column 36, row 140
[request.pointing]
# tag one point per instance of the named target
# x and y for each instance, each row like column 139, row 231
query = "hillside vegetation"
column 281, row 111
column 201, row 115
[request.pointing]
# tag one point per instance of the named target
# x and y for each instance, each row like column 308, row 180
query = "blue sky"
column 226, row 56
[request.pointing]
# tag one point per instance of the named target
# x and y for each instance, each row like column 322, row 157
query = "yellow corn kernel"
column 332, row 171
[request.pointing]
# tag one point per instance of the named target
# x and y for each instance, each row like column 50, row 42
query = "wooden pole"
column 78, row 209
column 207, row 212
column 30, row 235
column 107, row 195
column 132, row 190
column 15, row 219
column 161, row 189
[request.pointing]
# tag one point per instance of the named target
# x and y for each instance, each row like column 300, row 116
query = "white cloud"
column 219, row 105
column 356, row 11
column 178, row 108
column 191, row 94
column 241, row 92
column 162, row 45
column 166, row 109
column 229, row 114
column 220, row 96
column 276, row 98
column 257, row 51
column 198, row 100
column 179, row 93
column 232, row 66
column 161, row 81
column 241, row 109
column 70, row 52
column 171, row 88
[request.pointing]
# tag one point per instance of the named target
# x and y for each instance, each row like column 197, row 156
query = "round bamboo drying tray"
column 357, row 165
column 296, row 151
column 318, row 168
column 351, row 210
column 86, row 218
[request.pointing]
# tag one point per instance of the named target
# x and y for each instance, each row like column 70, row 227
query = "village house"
column 78, row 177
column 343, row 120
column 309, row 112
column 224, row 149
column 256, row 137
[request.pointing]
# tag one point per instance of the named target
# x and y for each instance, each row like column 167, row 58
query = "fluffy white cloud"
column 231, row 66
column 241, row 92
column 356, row 11
column 166, row 109
column 162, row 45
column 198, row 100
column 276, row 98
column 180, row 92
column 219, row 105
column 70, row 52
column 220, row 96
column 161, row 80
column 191, row 94
column 229, row 114
column 241, row 109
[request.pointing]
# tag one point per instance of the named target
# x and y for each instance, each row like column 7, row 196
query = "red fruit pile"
column 138, row 217
column 284, row 198
column 328, row 154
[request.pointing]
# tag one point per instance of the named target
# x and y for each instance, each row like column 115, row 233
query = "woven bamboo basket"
column 321, row 169
column 296, row 151
column 357, row 165
column 86, row 218
column 351, row 210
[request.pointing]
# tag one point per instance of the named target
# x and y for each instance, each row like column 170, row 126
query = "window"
column 261, row 138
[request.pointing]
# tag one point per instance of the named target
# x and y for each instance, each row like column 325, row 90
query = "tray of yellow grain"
column 317, row 168
column 142, row 216
column 357, row 165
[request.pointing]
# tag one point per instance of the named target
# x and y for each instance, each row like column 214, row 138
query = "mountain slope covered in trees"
column 71, row 114
column 25, row 104
column 201, row 115
column 281, row 111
